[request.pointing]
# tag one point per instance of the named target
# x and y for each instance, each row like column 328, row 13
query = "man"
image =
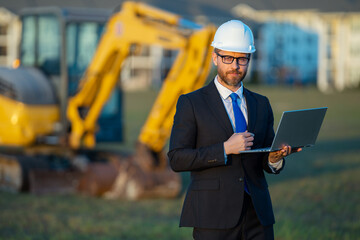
column 228, row 196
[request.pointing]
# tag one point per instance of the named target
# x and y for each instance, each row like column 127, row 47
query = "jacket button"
column 241, row 179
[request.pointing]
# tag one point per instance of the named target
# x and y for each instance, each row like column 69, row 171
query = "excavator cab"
column 61, row 42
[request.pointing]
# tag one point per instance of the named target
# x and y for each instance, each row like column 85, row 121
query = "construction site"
column 88, row 94
column 59, row 103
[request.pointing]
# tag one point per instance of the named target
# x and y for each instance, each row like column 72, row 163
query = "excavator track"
column 111, row 175
column 11, row 176
column 37, row 174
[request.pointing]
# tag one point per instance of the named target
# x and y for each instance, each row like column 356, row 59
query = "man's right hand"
column 239, row 142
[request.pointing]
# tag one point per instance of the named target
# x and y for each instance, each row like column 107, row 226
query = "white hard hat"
column 234, row 36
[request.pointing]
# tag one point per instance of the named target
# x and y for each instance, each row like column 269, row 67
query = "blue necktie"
column 240, row 122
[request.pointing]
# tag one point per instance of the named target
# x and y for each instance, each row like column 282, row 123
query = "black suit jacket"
column 215, row 195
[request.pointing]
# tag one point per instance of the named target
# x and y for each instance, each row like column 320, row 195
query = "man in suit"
column 228, row 196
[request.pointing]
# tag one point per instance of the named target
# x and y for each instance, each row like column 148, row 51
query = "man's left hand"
column 278, row 155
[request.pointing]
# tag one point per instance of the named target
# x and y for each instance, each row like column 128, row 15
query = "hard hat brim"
column 234, row 49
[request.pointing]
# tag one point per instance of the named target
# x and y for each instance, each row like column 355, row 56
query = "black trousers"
column 248, row 228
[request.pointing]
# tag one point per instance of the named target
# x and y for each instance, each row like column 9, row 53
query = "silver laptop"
column 298, row 129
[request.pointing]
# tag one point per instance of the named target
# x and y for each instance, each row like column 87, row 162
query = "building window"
column 3, row 29
column 295, row 40
column 355, row 51
column 355, row 25
column 309, row 57
column 309, row 39
column 295, row 58
column 3, row 51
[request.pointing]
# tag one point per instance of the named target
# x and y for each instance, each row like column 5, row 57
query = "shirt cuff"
column 274, row 166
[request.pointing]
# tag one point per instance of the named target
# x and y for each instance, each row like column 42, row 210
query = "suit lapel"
column 251, row 108
column 214, row 102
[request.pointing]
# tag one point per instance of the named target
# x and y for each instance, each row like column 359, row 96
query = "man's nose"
column 235, row 65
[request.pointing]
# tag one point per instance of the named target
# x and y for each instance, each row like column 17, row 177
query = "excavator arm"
column 188, row 73
column 146, row 173
column 140, row 24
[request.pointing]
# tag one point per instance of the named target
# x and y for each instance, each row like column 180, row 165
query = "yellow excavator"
column 64, row 98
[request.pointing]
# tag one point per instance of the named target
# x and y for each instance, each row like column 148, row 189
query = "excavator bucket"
column 131, row 177
column 43, row 181
column 98, row 178
column 36, row 175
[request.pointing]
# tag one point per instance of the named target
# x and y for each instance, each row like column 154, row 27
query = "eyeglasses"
column 242, row 61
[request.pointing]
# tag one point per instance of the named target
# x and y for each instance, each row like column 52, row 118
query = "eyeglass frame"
column 233, row 58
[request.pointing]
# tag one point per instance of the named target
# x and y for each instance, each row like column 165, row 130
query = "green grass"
column 317, row 196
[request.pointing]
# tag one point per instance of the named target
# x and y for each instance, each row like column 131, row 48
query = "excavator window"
column 28, row 41
column 41, row 43
column 82, row 39
column 46, row 34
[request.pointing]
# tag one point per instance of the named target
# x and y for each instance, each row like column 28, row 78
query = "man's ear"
column 214, row 58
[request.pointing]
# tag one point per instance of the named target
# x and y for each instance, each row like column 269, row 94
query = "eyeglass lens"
column 229, row 59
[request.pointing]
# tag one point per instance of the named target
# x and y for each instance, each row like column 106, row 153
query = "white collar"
column 225, row 92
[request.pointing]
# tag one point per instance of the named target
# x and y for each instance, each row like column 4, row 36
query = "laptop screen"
column 299, row 128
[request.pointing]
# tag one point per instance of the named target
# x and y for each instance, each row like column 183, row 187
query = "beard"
column 232, row 80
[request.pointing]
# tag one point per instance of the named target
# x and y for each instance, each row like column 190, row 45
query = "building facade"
column 10, row 28
column 306, row 46
column 294, row 47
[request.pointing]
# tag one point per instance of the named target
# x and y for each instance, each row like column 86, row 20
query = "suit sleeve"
column 269, row 138
column 184, row 155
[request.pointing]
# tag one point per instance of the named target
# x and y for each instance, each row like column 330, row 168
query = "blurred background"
column 298, row 42
column 308, row 55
